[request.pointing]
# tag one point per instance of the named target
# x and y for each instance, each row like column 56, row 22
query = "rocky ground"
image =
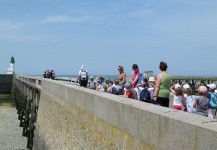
column 10, row 132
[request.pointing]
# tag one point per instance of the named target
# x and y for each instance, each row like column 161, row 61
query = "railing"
column 68, row 79
column 193, row 81
column 27, row 95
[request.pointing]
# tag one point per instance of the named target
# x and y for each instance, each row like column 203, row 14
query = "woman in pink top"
column 135, row 79
column 135, row 76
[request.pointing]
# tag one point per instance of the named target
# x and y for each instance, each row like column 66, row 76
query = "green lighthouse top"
column 12, row 60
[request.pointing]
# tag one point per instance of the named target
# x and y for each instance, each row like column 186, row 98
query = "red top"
column 135, row 74
column 129, row 94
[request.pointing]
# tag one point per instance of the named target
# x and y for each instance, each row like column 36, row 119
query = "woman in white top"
column 178, row 99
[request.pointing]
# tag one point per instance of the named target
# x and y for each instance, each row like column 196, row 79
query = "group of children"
column 146, row 88
column 204, row 104
column 182, row 100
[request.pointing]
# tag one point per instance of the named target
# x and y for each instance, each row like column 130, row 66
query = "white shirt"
column 81, row 71
column 101, row 88
column 177, row 100
column 189, row 103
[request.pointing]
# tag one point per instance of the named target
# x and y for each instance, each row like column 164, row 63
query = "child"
column 201, row 103
column 105, row 86
column 110, row 84
column 152, row 88
column 189, row 99
column 127, row 91
column 100, row 87
column 178, row 99
column 91, row 84
column 212, row 96
column 145, row 94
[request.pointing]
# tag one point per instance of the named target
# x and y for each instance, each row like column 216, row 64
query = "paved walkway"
column 10, row 132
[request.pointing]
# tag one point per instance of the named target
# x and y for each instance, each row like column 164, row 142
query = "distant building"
column 10, row 69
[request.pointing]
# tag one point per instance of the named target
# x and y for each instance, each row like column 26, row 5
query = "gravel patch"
column 10, row 133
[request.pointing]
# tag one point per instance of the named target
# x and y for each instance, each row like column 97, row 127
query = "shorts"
column 163, row 101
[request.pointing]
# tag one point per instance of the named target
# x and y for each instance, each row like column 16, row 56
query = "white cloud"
column 67, row 19
column 144, row 13
column 26, row 38
column 8, row 26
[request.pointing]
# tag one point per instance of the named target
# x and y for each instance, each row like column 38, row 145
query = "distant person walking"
column 45, row 74
column 162, row 91
column 83, row 77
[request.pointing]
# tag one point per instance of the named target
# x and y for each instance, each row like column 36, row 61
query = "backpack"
column 114, row 91
column 141, row 78
column 213, row 100
column 145, row 95
column 83, row 75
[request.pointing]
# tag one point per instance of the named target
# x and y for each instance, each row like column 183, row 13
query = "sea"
column 111, row 77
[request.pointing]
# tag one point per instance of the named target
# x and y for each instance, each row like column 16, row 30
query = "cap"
column 109, row 82
column 186, row 86
column 177, row 86
column 212, row 86
column 151, row 79
column 127, row 84
column 203, row 90
column 91, row 77
column 99, row 81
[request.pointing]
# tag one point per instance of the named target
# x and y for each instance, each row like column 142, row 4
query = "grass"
column 6, row 100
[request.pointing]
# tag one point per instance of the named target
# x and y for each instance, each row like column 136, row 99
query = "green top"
column 164, row 90
column 12, row 60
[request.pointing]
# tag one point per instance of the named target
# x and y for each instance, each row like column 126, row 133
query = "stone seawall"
column 71, row 117
column 6, row 82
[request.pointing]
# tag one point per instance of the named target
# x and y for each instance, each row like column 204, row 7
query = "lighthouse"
column 10, row 69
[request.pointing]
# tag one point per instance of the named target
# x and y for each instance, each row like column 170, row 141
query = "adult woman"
column 122, row 75
column 135, row 79
column 162, row 91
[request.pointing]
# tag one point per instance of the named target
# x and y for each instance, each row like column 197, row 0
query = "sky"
column 102, row 34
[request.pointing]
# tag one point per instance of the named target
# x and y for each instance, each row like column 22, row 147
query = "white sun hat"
column 212, row 86
column 151, row 79
column 186, row 86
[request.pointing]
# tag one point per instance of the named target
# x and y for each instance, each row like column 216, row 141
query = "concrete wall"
column 71, row 117
column 6, row 83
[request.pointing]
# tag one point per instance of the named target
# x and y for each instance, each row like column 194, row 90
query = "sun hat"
column 212, row 86
column 151, row 79
column 202, row 90
column 186, row 86
column 177, row 86
column 82, row 67
column 127, row 84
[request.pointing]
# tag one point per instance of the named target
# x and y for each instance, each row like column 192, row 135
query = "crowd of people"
column 49, row 74
column 155, row 91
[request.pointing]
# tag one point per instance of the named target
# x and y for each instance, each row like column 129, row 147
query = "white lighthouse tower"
column 10, row 69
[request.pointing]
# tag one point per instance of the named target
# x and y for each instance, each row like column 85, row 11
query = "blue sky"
column 64, row 34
